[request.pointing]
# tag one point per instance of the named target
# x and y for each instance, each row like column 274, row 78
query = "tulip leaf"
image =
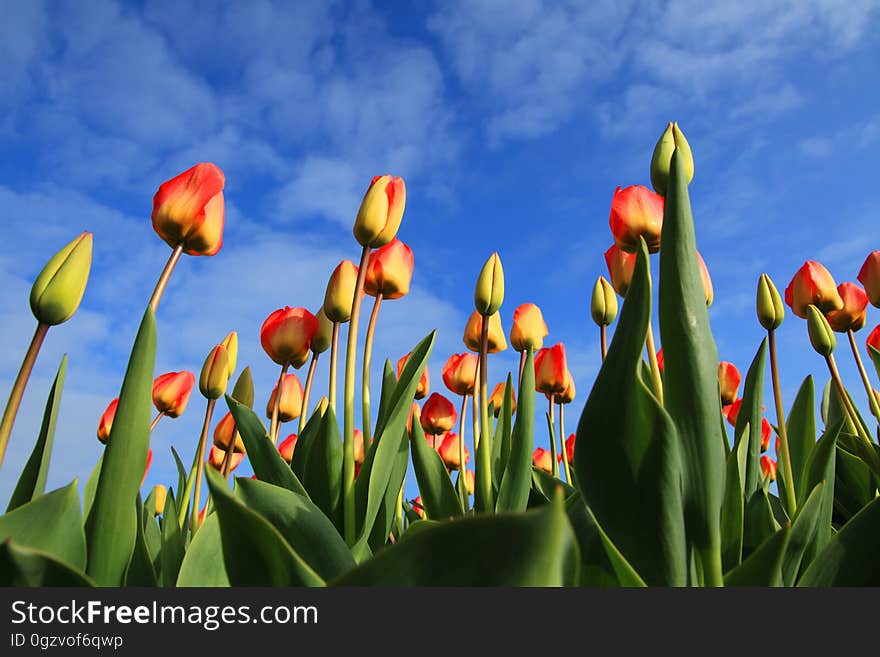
column 302, row 524
column 203, row 562
column 90, row 488
column 501, row 441
column 546, row 553
column 801, row 428
column 24, row 566
column 732, row 509
column 32, row 481
column 513, row 494
column 387, row 513
column 254, row 552
column 111, row 527
column 853, row 482
column 323, row 471
column 751, row 413
column 820, row 467
column 435, row 487
column 140, row 570
column 304, row 443
column 181, row 470
column 401, row 398
column 626, row 574
column 389, row 382
column 764, row 566
column 51, row 523
column 803, row 530
column 173, row 543
column 758, row 521
column 627, row 459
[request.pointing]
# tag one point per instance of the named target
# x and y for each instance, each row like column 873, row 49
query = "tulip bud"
column 821, row 336
column 189, row 210
column 226, row 435
column 771, row 312
column 159, row 495
column 460, row 373
column 106, row 421
column 671, row 139
column 766, row 432
column 768, row 467
column 171, row 392
column 728, row 382
column 636, row 212
column 286, row 447
column 290, row 404
column 424, row 380
column 469, row 480
column 551, row 370
column 215, row 373
column 286, row 335
column 473, row 328
column 707, row 281
column 339, row 297
column 59, row 287
column 381, row 211
column 489, row 293
column 217, row 456
column 497, row 399
column 438, row 415
column 528, row 330
column 449, row 453
column 418, row 508
column 812, row 284
column 230, row 342
column 621, row 266
column 543, row 460
column 852, row 316
column 569, row 448
column 390, row 270
column 243, row 392
column 603, row 304
column 323, row 337
column 869, row 276
column 359, row 452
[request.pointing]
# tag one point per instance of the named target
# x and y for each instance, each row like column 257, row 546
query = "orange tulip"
column 567, row 395
column 852, row 316
column 768, row 467
column 636, row 212
column 286, row 447
column 472, row 330
column 424, row 381
column 106, row 421
column 869, row 276
column 286, row 335
column 290, row 405
column 873, row 340
column 358, row 447
column 215, row 460
column 448, row 451
column 418, row 508
column 381, row 211
column 728, row 381
column 339, row 296
column 766, row 432
column 529, row 329
column 497, row 399
column 812, row 284
column 438, row 415
column 551, row 370
column 620, row 268
column 460, row 373
column 543, row 459
column 708, row 290
column 188, row 210
column 390, row 270
column 224, row 433
column 414, row 412
column 171, row 392
column 731, row 411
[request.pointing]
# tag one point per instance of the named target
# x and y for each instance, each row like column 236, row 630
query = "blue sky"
column 512, row 124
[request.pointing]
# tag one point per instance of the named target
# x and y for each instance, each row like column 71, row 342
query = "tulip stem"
column 304, row 409
column 18, row 387
column 349, row 510
column 227, row 458
column 274, row 426
column 603, row 340
column 334, row 354
column 845, row 400
column 562, row 444
column 782, row 430
column 551, row 423
column 462, row 467
column 368, row 355
column 156, row 421
column 710, row 558
column 522, row 366
column 475, row 417
column 162, row 283
column 484, row 452
column 195, row 473
column 872, row 398
column 655, row 367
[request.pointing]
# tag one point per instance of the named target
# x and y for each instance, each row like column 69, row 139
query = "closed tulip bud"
column 460, row 373
column 215, row 460
column 543, row 459
column 424, row 381
column 449, row 453
column 473, row 328
column 621, row 266
column 106, row 421
column 286, row 335
column 852, row 316
column 671, row 139
column 569, row 448
column 59, row 287
column 603, row 304
column 708, row 290
column 497, row 399
column 771, row 312
column 489, row 293
column 766, row 432
column 438, row 415
column 821, row 336
column 230, row 342
column 418, row 508
column 873, row 341
column 812, row 285
column 171, row 392
column 189, row 210
column 415, row 412
column 469, row 480
column 243, row 392
column 381, row 211
column 159, row 495
column 323, row 337
column 636, row 212
column 286, row 447
column 226, row 435
column 551, row 370
column 768, row 467
column 869, row 276
column 528, row 330
column 728, row 382
column 290, row 404
column 339, row 297
column 215, row 373
column 390, row 270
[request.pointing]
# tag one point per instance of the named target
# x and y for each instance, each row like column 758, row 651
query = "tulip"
column 323, row 336
column 286, row 335
column 659, row 357
column 217, row 456
column 636, row 212
column 381, row 211
column 567, row 395
column 159, row 495
column 497, row 398
column 812, row 285
column 551, row 370
column 449, row 451
column 230, row 343
column 728, row 381
column 569, row 448
column 438, row 415
column 873, row 341
column 290, row 404
column 106, row 421
column 415, row 412
column 707, row 281
column 460, row 373
column 732, row 411
column 768, row 467
column 339, row 296
column 489, row 292
column 852, row 316
column 671, row 139
column 869, row 276
column 418, row 508
column 147, row 466
column 286, row 447
column 171, row 392
column 225, row 434
column 215, row 373
column 603, row 303
column 424, row 381
column 188, row 210
column 821, row 336
column 59, row 287
column 469, row 481
column 390, row 270
column 543, row 460
column 472, row 329
column 528, row 330
column 621, row 266
column 771, row 312
column 766, row 432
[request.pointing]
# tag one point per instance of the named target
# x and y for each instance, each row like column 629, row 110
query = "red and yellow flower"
column 390, row 270
column 621, row 266
column 286, row 335
column 854, row 312
column 290, row 403
column 474, row 326
column 381, row 211
column 189, row 210
column 171, row 392
column 728, row 381
column 529, row 329
column 424, row 381
column 636, row 211
column 812, row 284
column 551, row 370
column 460, row 373
column 438, row 415
column 448, row 451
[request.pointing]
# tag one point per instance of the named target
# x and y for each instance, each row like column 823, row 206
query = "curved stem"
column 554, row 464
column 198, row 467
column 462, row 468
column 156, row 421
column 273, row 427
column 17, row 392
column 655, row 367
column 304, row 409
column 368, row 355
column 845, row 400
column 603, row 340
column 334, row 355
column 562, row 442
column 872, row 398
column 785, row 454
column 162, row 283
column 484, row 451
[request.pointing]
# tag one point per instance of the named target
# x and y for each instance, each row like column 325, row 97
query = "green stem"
column 368, row 355
column 711, row 560
column 484, row 452
column 195, row 473
column 785, row 453
column 562, row 441
column 475, row 421
column 655, row 367
column 273, row 427
column 522, row 366
column 845, row 400
column 334, row 357
column 162, row 283
column 551, row 423
column 155, row 421
column 603, row 341
column 462, row 468
column 872, row 398
column 304, row 409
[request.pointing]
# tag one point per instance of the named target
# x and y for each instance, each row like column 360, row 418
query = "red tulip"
column 106, row 421
column 415, row 411
column 621, row 266
column 869, row 276
column 224, row 433
column 660, row 360
column 188, row 210
column 529, row 329
column 286, row 447
column 438, row 415
column 290, row 404
column 636, row 212
column 852, row 316
column 873, row 340
column 339, row 295
column 766, row 432
column 569, row 448
column 424, row 381
column 768, row 467
column 567, row 395
column 812, row 284
column 460, row 373
column 390, row 270
column 473, row 328
column 358, row 447
column 551, row 370
column 171, row 392
column 448, row 451
column 728, row 380
column 287, row 334
column 543, row 460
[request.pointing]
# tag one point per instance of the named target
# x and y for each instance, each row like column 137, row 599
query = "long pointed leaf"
column 513, row 494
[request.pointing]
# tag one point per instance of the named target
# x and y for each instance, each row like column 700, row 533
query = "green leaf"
column 404, row 392
column 759, row 522
column 803, row 530
column 818, row 468
column 203, row 562
column 304, row 443
column 435, row 487
column 51, row 523
column 254, row 552
column 32, row 481
column 387, row 513
column 626, row 574
column 501, row 438
column 854, row 484
column 23, row 566
column 140, row 570
column 111, row 527
column 173, row 543
column 764, row 565
column 513, row 494
column 323, row 471
column 751, row 413
column 181, row 470
column 389, row 382
column 732, row 509
column 90, row 488
column 626, row 460
column 801, row 427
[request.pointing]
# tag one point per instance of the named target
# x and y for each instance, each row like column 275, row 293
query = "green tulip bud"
column 324, row 335
column 771, row 312
column 230, row 342
column 243, row 392
column 215, row 373
column 821, row 336
column 59, row 288
column 489, row 294
column 671, row 139
column 603, row 305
